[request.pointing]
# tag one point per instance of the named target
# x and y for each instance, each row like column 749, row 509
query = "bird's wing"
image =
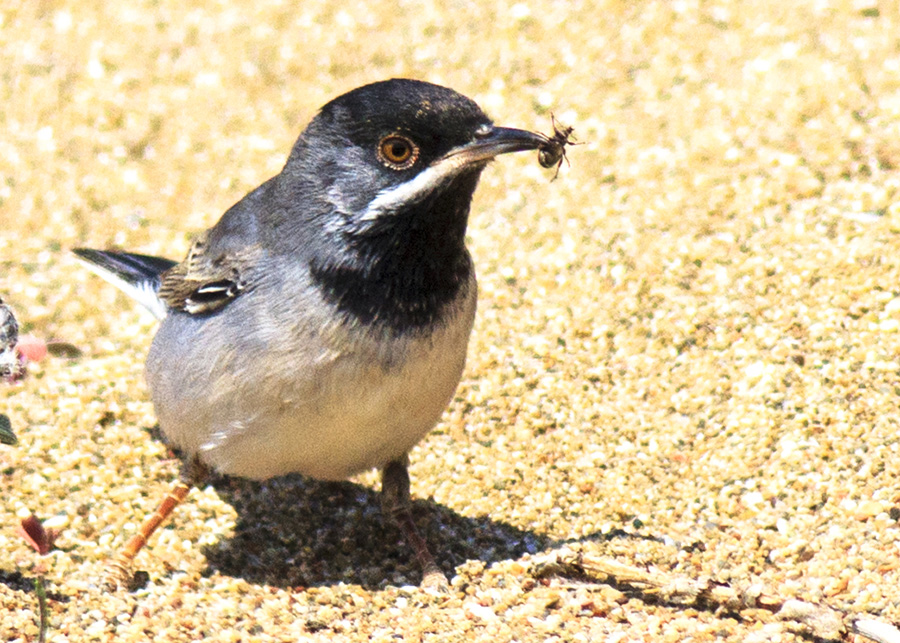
column 138, row 276
column 206, row 280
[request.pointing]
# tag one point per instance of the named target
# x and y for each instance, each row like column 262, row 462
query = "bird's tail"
column 138, row 276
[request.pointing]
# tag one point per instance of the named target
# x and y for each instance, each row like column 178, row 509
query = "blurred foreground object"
column 11, row 364
column 6, row 433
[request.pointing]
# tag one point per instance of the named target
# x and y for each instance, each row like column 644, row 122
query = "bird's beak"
column 493, row 142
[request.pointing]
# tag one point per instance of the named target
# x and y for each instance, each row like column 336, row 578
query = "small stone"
column 868, row 509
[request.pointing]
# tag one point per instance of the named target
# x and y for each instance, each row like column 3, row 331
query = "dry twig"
column 821, row 620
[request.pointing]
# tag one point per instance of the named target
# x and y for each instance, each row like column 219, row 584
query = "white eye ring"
column 397, row 152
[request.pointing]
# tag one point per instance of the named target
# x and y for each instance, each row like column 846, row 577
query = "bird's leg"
column 395, row 502
column 118, row 570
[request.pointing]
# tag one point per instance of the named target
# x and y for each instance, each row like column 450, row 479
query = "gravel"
column 685, row 358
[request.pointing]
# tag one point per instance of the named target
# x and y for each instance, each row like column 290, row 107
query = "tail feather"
column 138, row 276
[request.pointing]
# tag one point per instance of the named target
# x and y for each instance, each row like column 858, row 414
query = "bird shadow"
column 294, row 531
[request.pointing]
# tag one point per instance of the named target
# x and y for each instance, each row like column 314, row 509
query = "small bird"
column 321, row 326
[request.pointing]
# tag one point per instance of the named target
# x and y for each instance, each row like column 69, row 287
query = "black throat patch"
column 405, row 275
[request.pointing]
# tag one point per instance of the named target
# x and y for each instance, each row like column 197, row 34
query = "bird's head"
column 377, row 192
column 398, row 154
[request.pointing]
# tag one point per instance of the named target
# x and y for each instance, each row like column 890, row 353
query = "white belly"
column 326, row 407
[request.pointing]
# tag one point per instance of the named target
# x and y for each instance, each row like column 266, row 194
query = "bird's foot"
column 435, row 582
column 396, row 503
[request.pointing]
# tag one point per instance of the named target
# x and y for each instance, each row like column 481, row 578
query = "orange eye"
column 397, row 152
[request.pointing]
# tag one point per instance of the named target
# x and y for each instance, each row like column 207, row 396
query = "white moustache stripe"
column 425, row 182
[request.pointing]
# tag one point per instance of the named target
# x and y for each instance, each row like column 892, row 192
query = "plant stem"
column 42, row 603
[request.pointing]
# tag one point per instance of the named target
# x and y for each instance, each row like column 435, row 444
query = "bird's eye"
column 397, row 152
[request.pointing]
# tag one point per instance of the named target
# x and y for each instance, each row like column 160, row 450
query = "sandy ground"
column 685, row 358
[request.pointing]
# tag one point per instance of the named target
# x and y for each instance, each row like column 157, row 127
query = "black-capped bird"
column 320, row 327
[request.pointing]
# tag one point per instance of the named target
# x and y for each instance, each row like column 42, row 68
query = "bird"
column 321, row 325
